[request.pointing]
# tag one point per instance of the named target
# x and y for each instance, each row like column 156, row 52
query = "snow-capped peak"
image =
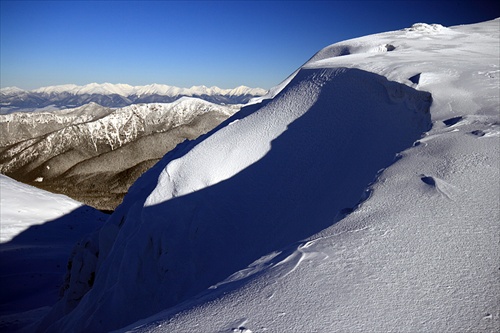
column 56, row 89
column 11, row 91
column 424, row 27
column 105, row 89
column 155, row 88
column 116, row 95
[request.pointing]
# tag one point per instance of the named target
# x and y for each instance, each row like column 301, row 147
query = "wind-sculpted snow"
column 261, row 181
column 421, row 254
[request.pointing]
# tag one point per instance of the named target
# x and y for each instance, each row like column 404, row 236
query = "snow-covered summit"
column 54, row 148
column 128, row 90
column 424, row 27
column 11, row 91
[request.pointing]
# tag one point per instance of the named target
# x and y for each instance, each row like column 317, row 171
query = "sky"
column 187, row 43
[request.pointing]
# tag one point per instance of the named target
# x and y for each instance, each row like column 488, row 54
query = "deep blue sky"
column 227, row 43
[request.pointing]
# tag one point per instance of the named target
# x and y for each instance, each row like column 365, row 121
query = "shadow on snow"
column 315, row 171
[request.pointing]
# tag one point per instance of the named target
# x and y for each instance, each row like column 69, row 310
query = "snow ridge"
column 200, row 190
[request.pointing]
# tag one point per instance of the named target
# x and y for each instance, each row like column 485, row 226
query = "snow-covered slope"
column 38, row 230
column 422, row 253
column 14, row 99
column 16, row 215
column 363, row 196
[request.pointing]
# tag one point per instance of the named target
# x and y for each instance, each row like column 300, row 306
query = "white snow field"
column 38, row 230
column 362, row 196
column 24, row 206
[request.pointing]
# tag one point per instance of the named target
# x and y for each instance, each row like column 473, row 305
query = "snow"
column 128, row 90
column 37, row 233
column 220, row 158
column 363, row 195
column 16, row 216
column 422, row 253
column 16, row 127
column 62, row 97
column 56, row 89
column 11, row 91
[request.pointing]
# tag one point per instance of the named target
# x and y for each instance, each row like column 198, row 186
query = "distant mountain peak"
column 11, row 90
column 128, row 90
column 117, row 95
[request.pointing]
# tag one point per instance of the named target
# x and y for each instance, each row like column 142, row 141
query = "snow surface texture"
column 13, row 99
column 37, row 232
column 341, row 204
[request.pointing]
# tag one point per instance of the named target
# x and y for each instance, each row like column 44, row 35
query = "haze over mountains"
column 14, row 99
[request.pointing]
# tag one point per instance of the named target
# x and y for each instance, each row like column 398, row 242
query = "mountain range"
column 13, row 99
column 94, row 153
column 92, row 142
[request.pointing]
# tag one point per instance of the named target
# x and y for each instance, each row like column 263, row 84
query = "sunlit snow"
column 24, row 206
